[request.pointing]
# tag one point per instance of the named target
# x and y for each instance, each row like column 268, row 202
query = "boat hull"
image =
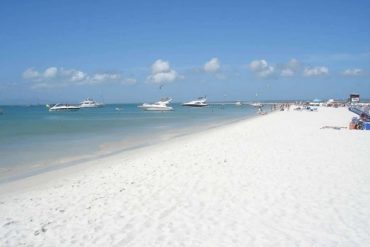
column 91, row 106
column 157, row 108
column 65, row 109
column 195, row 105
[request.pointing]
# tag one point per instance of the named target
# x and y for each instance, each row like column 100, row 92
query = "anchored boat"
column 200, row 102
column 161, row 105
column 64, row 107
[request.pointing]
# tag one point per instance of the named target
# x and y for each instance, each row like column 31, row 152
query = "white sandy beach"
column 275, row 180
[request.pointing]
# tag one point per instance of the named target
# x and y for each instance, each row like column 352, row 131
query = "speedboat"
column 64, row 107
column 90, row 103
column 200, row 102
column 161, row 105
column 238, row 103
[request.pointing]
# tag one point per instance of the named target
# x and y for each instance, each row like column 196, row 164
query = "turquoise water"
column 33, row 140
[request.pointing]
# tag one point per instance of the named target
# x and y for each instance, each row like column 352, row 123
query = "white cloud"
column 163, row 77
column 261, row 68
column 60, row 77
column 291, row 68
column 50, row 72
column 287, row 72
column 162, row 72
column 212, row 66
column 78, row 76
column 30, row 74
column 105, row 77
column 257, row 65
column 354, row 72
column 53, row 73
column 293, row 64
column 72, row 75
column 160, row 66
column 316, row 71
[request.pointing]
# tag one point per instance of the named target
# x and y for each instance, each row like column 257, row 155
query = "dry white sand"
column 277, row 180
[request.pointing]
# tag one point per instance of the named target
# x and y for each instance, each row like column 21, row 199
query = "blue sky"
column 134, row 51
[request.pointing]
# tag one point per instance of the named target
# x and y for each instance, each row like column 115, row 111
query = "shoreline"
column 158, row 139
column 276, row 180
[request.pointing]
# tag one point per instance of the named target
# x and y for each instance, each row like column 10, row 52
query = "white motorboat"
column 256, row 104
column 64, row 107
column 161, row 105
column 238, row 103
column 200, row 102
column 90, row 103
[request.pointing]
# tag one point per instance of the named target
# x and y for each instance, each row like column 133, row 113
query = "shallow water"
column 33, row 140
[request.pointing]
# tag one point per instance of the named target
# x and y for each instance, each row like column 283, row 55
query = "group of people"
column 281, row 107
column 362, row 120
column 356, row 123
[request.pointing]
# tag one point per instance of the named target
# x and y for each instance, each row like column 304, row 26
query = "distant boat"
column 238, row 103
column 200, row 102
column 64, row 107
column 161, row 105
column 90, row 103
column 256, row 104
column 49, row 105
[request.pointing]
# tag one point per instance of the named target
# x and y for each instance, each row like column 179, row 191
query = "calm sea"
column 34, row 140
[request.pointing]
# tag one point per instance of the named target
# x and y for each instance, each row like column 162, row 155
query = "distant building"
column 354, row 98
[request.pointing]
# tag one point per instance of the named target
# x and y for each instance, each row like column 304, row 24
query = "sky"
column 135, row 51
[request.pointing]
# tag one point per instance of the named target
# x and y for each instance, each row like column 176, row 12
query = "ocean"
column 34, row 140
